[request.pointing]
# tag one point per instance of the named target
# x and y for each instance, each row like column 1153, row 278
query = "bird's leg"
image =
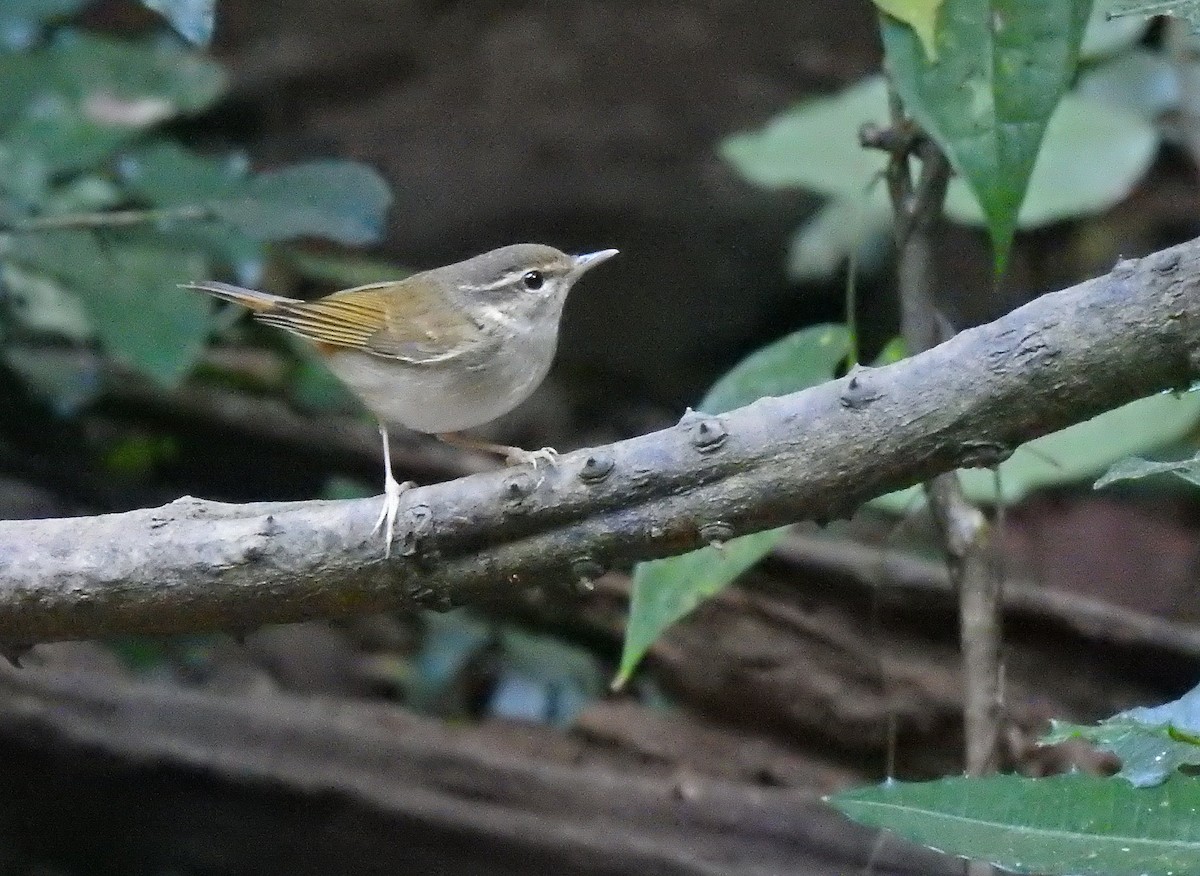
column 512, row 455
column 392, row 490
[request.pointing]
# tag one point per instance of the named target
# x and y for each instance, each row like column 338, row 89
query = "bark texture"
column 819, row 454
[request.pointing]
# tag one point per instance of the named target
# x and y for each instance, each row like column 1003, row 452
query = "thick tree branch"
column 818, row 454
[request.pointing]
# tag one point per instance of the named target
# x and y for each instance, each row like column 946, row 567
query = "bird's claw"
column 392, row 491
column 517, row 456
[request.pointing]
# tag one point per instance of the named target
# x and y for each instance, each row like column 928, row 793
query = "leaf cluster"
column 102, row 214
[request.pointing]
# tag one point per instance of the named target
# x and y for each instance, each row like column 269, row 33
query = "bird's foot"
column 392, row 491
column 517, row 456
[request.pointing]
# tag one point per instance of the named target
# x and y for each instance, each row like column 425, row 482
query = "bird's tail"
column 257, row 301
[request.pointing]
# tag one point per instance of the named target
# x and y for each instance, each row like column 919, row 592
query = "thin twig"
column 964, row 529
column 109, row 219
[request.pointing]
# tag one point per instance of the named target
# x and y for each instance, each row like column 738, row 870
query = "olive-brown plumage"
column 442, row 350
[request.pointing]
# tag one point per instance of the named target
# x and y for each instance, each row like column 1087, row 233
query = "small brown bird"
column 440, row 351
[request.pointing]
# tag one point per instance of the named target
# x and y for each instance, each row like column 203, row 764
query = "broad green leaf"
column 164, row 174
column 339, row 200
column 1092, row 156
column 128, row 287
column 1072, row 455
column 666, row 590
column 1138, row 81
column 87, row 193
column 1151, row 742
column 795, row 362
column 144, row 318
column 1071, row 824
column 41, row 304
column 82, row 98
column 814, row 146
column 1188, row 10
column 193, row 19
column 226, row 246
column 1003, row 67
column 24, row 178
column 1134, row 468
column 920, row 15
column 88, row 67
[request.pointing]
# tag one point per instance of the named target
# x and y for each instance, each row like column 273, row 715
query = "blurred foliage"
column 467, row 665
column 1097, row 144
column 102, row 216
column 194, row 20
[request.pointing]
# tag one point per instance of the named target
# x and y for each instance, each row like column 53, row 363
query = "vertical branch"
column 964, row 529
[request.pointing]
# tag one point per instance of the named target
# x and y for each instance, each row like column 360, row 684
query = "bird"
column 440, row 351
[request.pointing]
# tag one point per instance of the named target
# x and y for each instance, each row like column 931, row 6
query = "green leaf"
column 1070, row 824
column 87, row 193
column 795, row 362
column 225, row 246
column 144, row 319
column 1151, row 742
column 76, row 102
column 128, row 287
column 815, row 146
column 1072, row 455
column 1004, row 66
column 1138, row 81
column 1189, row 10
column 40, row 303
column 339, row 200
column 1135, row 468
column 666, row 590
column 164, row 174
column 193, row 19
column 24, row 178
column 1092, row 156
column 86, row 66
column 920, row 15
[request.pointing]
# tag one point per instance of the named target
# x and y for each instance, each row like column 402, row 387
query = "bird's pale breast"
column 446, row 396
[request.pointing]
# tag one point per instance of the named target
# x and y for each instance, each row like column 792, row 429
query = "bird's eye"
column 533, row 280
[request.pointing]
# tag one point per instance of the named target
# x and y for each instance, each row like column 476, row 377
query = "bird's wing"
column 403, row 320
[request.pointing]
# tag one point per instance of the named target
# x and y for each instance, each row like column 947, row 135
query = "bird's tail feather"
column 257, row 301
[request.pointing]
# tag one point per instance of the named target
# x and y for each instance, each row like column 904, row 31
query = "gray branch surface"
column 195, row 565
